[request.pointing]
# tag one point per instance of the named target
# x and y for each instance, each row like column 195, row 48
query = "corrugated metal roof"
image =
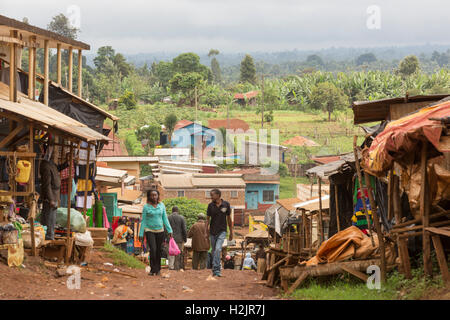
column 216, row 182
column 288, row 203
column 378, row 110
column 109, row 172
column 170, row 181
column 47, row 116
column 128, row 159
column 234, row 124
column 181, row 124
column 172, row 152
column 313, row 205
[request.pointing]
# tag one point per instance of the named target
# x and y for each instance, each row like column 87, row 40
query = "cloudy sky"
column 144, row 26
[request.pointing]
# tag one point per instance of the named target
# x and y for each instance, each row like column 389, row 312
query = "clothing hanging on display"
column 82, row 154
column 80, row 202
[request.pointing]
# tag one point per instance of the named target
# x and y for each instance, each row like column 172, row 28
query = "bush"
column 134, row 147
column 128, row 100
column 189, row 208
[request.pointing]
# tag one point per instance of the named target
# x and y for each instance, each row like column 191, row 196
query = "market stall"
column 30, row 132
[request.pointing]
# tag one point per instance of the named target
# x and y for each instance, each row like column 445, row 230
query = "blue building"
column 188, row 134
column 261, row 191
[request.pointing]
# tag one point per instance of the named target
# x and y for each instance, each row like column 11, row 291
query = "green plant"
column 121, row 258
column 128, row 100
column 189, row 208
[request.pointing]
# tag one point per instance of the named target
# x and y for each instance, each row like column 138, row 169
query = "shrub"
column 189, row 208
column 128, row 100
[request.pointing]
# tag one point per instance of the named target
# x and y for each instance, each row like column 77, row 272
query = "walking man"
column 218, row 213
column 200, row 242
column 178, row 224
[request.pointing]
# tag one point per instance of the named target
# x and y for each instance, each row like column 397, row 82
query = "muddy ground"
column 38, row 281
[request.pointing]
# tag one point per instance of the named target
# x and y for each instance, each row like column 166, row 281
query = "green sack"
column 77, row 222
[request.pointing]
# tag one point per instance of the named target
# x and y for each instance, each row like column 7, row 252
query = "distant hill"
column 329, row 54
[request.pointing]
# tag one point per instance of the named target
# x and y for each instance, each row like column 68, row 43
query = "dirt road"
column 36, row 281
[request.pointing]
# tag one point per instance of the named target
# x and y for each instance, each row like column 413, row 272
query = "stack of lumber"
column 99, row 235
column 276, row 258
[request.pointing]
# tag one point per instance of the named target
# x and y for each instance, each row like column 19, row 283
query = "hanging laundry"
column 359, row 218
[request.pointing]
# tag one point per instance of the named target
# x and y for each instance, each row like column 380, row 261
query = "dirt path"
column 37, row 281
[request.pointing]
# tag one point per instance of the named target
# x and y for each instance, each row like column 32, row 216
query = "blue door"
column 252, row 199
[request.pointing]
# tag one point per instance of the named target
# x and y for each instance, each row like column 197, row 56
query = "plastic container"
column 24, row 169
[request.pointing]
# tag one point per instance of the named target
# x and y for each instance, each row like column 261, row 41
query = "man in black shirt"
column 218, row 216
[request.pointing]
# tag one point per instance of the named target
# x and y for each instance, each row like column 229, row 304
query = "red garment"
column 64, row 174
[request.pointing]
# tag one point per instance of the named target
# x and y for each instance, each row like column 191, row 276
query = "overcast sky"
column 144, row 26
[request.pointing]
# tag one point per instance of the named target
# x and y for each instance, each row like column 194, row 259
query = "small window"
column 234, row 194
column 207, row 194
column 180, row 193
column 268, row 195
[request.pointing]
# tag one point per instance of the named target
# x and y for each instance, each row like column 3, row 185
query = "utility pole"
column 195, row 92
column 262, row 102
column 228, row 116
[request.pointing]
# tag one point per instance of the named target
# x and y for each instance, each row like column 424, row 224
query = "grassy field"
column 287, row 186
column 346, row 287
column 333, row 137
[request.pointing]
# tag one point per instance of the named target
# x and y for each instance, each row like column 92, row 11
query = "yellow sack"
column 81, row 185
column 24, row 170
column 15, row 254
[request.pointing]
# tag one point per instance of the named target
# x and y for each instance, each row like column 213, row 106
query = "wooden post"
column 31, row 190
column 46, row 76
column 70, row 68
column 34, row 67
column 30, row 71
column 425, row 211
column 12, row 68
column 390, row 197
column 320, row 223
column 337, row 207
column 363, row 196
column 87, row 175
column 58, row 63
column 195, row 100
column 440, row 255
column 401, row 242
column 80, row 73
column 377, row 228
column 69, row 204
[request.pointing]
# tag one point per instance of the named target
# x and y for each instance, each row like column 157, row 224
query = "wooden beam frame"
column 58, row 63
column 11, row 136
column 425, row 211
column 69, row 191
column 80, row 73
column 34, row 70
column 69, row 87
column 12, row 68
column 376, row 221
column 320, row 222
column 46, row 72
column 30, row 72
column 401, row 242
